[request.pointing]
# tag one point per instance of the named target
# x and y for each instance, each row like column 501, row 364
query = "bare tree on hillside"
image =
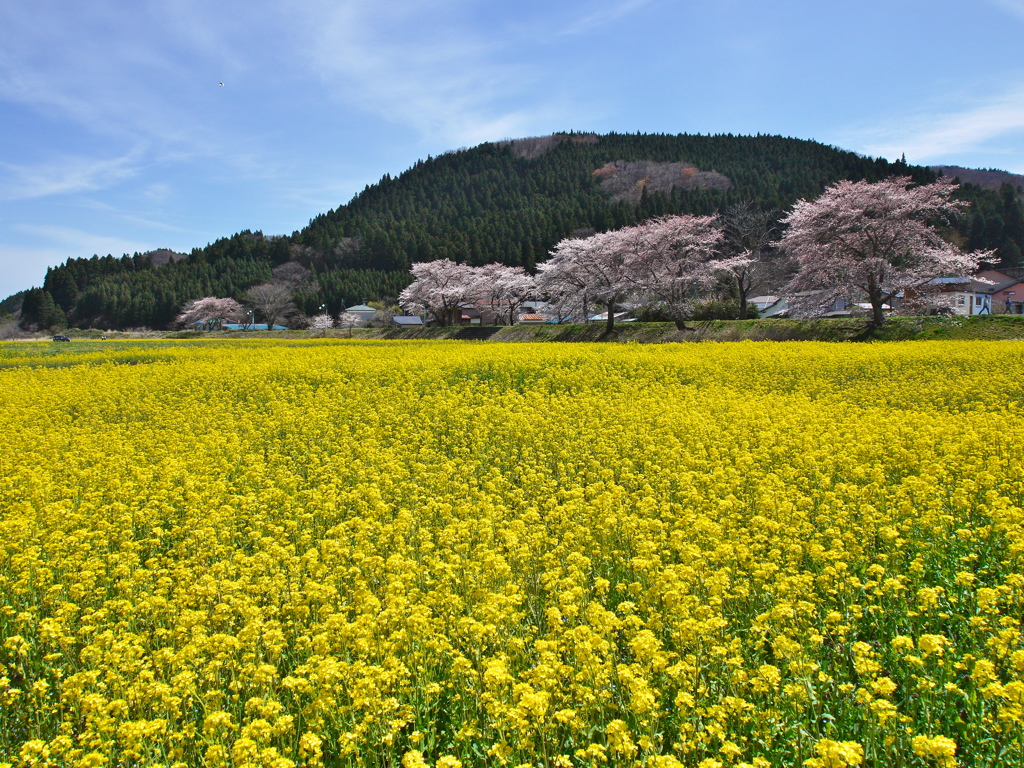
column 749, row 232
column 272, row 301
column 386, row 310
column 292, row 275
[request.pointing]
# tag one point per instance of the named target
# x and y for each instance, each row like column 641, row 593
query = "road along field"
column 443, row 553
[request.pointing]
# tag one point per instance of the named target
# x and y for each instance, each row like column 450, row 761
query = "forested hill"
column 509, row 202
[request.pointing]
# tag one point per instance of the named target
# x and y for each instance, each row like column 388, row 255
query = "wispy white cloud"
column 606, row 14
column 64, row 175
column 1015, row 7
column 102, row 73
column 454, row 71
column 147, row 222
column 423, row 64
column 943, row 134
column 157, row 192
column 92, row 68
column 78, row 242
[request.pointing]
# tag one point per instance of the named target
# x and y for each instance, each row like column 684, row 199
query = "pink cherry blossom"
column 438, row 288
column 211, row 311
column 671, row 260
column 875, row 240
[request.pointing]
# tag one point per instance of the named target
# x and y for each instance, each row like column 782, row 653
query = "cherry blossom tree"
column 876, row 239
column 503, row 289
column 349, row 320
column 561, row 284
column 211, row 312
column 591, row 269
column 439, row 287
column 321, row 322
column 674, row 260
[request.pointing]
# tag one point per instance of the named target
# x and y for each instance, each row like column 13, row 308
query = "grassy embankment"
column 989, row 327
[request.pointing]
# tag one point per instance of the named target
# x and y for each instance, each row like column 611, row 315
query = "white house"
column 767, row 306
column 363, row 313
column 967, row 295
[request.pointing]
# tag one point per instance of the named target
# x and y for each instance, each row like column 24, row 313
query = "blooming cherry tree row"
column 441, row 287
column 872, row 239
column 672, row 260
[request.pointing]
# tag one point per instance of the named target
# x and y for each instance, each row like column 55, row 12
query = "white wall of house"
column 970, row 303
column 362, row 316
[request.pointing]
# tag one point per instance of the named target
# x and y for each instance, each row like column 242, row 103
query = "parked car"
column 61, row 337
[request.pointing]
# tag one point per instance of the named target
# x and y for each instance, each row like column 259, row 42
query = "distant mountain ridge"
column 508, row 202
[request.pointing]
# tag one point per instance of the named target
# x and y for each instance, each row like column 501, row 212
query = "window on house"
column 977, row 301
column 960, row 301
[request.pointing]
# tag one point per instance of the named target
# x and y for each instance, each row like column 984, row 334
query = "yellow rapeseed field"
column 446, row 554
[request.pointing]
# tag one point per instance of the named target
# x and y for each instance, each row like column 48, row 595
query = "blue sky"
column 115, row 135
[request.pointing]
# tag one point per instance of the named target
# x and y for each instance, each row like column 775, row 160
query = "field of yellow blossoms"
column 412, row 554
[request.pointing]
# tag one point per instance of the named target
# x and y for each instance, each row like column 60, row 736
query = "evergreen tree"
column 39, row 311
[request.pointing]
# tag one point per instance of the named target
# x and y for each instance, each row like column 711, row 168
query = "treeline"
column 491, row 203
column 996, row 222
column 129, row 292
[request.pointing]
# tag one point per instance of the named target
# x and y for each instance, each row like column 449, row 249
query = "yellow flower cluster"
column 939, row 748
column 343, row 553
column 836, row 754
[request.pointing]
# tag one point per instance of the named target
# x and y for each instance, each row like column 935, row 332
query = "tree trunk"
column 743, row 306
column 877, row 299
column 878, row 317
column 610, row 324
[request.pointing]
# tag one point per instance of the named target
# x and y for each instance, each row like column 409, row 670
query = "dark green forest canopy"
column 508, row 202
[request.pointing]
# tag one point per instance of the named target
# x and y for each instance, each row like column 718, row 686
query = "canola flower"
column 441, row 554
